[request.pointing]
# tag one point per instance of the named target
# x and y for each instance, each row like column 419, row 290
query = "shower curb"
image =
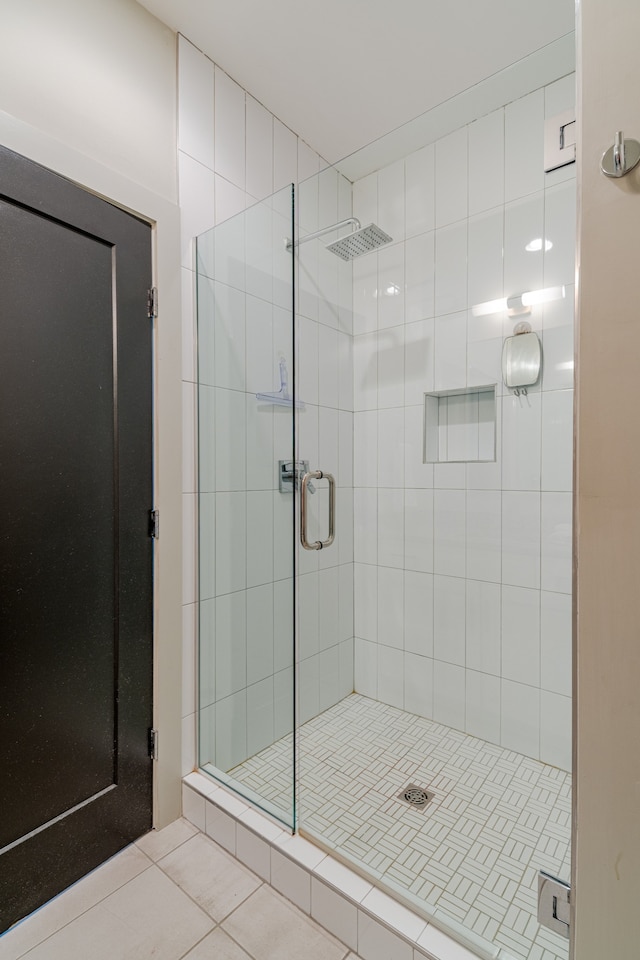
column 367, row 920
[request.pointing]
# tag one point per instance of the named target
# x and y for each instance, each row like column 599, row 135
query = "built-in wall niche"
column 460, row 425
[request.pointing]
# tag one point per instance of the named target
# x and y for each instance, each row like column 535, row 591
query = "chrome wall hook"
column 621, row 158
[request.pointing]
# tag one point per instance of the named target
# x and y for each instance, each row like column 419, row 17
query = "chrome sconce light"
column 518, row 304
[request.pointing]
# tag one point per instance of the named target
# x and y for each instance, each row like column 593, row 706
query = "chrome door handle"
column 319, row 544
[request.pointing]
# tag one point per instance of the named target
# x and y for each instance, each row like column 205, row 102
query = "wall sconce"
column 519, row 304
column 516, row 306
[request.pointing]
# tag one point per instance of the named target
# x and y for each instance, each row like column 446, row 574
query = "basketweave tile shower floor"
column 472, row 856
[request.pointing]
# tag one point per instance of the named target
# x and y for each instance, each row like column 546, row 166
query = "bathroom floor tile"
column 270, row 928
column 471, row 857
column 73, row 902
column 147, row 917
column 497, row 816
column 216, row 881
column 217, row 946
column 158, row 843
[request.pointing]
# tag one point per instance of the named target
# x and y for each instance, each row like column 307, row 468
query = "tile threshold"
column 258, row 841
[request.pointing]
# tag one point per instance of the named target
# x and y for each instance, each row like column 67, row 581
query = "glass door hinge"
column 560, row 140
column 152, row 302
column 154, row 524
column 554, row 903
column 153, row 744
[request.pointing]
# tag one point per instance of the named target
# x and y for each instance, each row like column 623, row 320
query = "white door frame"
column 606, row 818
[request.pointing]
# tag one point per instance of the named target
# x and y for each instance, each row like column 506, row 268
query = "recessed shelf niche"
column 460, row 425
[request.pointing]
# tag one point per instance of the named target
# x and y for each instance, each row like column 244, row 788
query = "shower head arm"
column 321, row 233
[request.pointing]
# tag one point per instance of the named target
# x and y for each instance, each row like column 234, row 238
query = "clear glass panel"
column 435, row 633
column 246, row 524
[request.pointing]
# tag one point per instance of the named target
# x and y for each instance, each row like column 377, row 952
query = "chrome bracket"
column 554, row 903
column 290, row 475
column 559, row 140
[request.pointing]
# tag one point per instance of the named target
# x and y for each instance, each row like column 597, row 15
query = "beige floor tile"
column 159, row 843
column 216, row 881
column 217, row 946
column 147, row 918
column 270, row 928
column 83, row 895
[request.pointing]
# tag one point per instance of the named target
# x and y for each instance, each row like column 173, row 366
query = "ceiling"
column 342, row 73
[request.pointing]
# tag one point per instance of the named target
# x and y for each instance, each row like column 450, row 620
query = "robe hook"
column 621, row 158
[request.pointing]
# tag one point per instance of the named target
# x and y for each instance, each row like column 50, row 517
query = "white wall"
column 463, row 572
column 98, row 76
column 462, row 578
column 324, row 325
column 232, row 153
column 88, row 90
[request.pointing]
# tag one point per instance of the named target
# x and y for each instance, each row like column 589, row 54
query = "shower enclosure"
column 385, row 525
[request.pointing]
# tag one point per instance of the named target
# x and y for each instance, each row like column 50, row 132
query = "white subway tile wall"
column 460, row 590
column 473, row 623
column 233, row 153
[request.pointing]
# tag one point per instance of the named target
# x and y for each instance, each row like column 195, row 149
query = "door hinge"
column 153, row 743
column 154, row 524
column 152, row 302
column 554, row 903
column 560, row 140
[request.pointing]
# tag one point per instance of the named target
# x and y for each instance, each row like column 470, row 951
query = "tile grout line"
column 198, row 942
column 265, row 883
column 216, row 923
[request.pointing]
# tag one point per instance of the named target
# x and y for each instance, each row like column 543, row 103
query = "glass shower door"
column 246, row 523
column 439, row 766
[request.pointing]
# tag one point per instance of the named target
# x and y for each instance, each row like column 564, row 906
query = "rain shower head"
column 359, row 242
column 362, row 240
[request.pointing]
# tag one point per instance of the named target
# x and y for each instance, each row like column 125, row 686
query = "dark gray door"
column 75, row 550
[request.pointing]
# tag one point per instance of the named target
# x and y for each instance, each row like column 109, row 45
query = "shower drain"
column 415, row 796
